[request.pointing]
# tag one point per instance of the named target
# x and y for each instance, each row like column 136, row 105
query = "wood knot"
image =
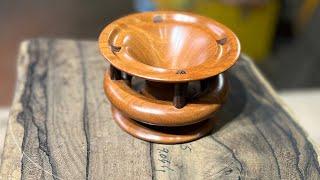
column 115, row 48
column 157, row 19
column 222, row 41
column 181, row 71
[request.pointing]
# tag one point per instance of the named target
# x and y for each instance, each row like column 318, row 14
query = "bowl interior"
column 169, row 45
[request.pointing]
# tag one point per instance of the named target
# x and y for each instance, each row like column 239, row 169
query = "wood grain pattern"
column 169, row 46
column 161, row 134
column 158, row 112
column 61, row 121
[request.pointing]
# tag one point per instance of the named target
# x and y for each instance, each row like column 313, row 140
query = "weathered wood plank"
column 112, row 152
column 61, row 121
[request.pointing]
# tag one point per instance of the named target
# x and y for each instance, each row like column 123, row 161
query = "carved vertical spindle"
column 115, row 74
column 180, row 95
column 127, row 77
column 204, row 84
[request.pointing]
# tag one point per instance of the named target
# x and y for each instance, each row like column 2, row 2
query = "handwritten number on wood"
column 186, row 147
column 164, row 159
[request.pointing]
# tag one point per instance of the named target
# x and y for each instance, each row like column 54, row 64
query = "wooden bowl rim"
column 202, row 71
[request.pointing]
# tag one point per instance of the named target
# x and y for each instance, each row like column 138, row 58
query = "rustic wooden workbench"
column 60, row 127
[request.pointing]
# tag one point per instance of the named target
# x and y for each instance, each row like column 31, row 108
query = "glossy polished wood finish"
column 163, row 135
column 149, row 110
column 181, row 58
column 169, row 46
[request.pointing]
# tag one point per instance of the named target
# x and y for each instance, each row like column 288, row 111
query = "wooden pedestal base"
column 149, row 116
column 165, row 135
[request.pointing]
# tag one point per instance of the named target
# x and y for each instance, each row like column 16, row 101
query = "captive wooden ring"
column 162, row 113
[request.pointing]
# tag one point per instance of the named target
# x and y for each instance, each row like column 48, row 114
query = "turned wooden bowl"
column 166, row 80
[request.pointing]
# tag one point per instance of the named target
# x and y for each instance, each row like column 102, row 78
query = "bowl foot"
column 162, row 134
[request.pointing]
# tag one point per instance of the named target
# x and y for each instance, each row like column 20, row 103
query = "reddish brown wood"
column 180, row 95
column 181, row 57
column 127, row 78
column 147, row 109
column 115, row 74
column 169, row 46
column 163, row 135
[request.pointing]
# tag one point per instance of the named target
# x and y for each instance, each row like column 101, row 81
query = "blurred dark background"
column 282, row 36
column 20, row 20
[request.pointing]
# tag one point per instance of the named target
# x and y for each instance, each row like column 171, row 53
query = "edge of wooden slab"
column 12, row 154
column 279, row 100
